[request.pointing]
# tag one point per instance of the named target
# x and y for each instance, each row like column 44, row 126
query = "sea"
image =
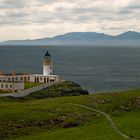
column 97, row 69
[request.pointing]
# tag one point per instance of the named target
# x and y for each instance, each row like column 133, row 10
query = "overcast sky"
column 30, row 19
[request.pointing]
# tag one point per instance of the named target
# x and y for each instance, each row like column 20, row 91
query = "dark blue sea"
column 97, row 69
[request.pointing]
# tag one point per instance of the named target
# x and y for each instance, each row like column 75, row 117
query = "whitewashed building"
column 16, row 81
column 11, row 86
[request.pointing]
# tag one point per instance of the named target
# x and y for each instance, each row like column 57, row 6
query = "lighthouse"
column 47, row 64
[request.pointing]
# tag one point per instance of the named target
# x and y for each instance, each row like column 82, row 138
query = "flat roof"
column 42, row 75
column 21, row 74
column 8, row 74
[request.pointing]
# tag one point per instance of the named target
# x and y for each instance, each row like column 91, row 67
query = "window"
column 1, row 85
column 21, row 78
column 52, row 80
column 11, row 86
column 6, row 86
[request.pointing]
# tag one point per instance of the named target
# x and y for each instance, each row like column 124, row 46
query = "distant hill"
column 83, row 38
column 129, row 36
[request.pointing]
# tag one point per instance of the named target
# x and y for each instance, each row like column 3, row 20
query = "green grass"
column 130, row 122
column 94, row 130
column 30, row 85
column 56, row 119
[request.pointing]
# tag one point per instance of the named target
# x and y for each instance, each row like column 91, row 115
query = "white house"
column 11, row 86
column 16, row 81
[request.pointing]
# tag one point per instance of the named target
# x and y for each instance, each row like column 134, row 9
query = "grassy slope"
column 94, row 130
column 23, row 119
column 66, row 88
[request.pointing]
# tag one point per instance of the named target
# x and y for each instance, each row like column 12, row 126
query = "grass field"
column 56, row 119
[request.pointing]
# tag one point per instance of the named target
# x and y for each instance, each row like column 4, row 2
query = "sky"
column 32, row 19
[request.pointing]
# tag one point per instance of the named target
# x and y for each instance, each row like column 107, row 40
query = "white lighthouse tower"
column 47, row 64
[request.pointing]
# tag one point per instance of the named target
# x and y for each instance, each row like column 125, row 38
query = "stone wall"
column 26, row 92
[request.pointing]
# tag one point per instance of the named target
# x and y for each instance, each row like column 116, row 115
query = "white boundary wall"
column 26, row 92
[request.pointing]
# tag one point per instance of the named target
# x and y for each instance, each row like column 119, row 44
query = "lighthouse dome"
column 47, row 55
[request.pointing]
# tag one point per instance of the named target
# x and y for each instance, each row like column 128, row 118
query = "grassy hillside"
column 57, row 119
column 66, row 88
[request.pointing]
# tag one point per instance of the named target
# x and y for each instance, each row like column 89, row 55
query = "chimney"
column 1, row 73
column 26, row 73
column 14, row 73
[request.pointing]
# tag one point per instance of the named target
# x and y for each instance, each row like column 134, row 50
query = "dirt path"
column 108, row 118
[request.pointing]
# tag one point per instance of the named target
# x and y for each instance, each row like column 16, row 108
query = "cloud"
column 41, row 18
column 5, row 4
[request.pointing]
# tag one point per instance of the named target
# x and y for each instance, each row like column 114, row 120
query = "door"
column 36, row 80
column 45, row 81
